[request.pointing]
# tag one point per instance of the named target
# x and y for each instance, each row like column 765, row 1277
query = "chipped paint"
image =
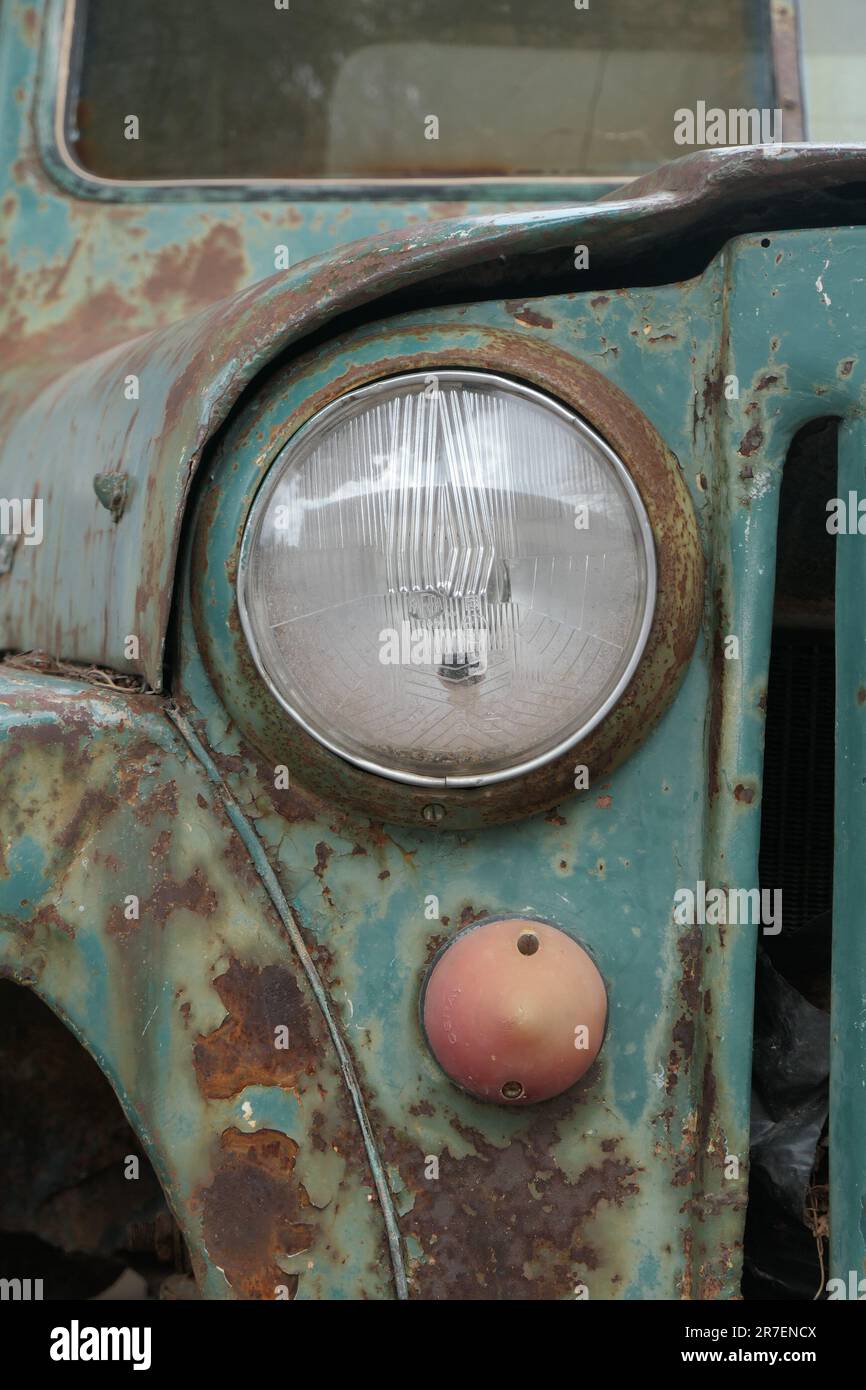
column 155, row 1003
column 819, row 286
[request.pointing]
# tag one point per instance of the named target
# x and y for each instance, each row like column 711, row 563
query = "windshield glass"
column 402, row 89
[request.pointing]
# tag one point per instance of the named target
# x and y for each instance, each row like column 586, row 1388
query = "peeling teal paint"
column 624, row 859
column 143, row 996
column 27, row 877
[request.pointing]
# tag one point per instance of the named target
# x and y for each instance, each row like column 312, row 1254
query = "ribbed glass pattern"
column 445, row 577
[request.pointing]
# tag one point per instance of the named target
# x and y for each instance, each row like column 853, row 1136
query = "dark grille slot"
column 797, row 810
column 786, row 1221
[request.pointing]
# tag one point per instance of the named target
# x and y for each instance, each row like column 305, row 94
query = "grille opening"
column 787, row 1224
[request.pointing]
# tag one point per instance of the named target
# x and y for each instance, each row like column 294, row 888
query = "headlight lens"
column 447, row 579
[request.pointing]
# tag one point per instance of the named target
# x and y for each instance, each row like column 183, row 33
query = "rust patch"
column 98, row 321
column 439, row 210
column 161, row 802
column 422, row 1107
column 57, row 281
column 751, row 441
column 48, row 916
column 714, row 390
column 684, row 1037
column 717, row 674
column 30, row 24
column 236, row 855
column 161, row 845
column 323, row 958
column 506, row 1223
column 194, row 894
column 323, row 857
column 744, row 793
column 707, row 1107
column 242, row 1051
column 120, row 926
column 290, row 802
column 673, row 1070
column 524, row 313
column 691, row 960
column 198, row 272
column 255, row 1211
column 468, row 915
column 683, row 1034
column 434, row 945
column 94, row 806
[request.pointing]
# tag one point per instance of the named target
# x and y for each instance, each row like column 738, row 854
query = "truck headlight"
column 447, row 579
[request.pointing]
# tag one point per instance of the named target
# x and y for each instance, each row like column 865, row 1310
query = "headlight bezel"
column 299, row 390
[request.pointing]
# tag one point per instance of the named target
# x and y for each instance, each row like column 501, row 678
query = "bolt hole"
column 512, row 1090
column 527, row 943
column 765, row 241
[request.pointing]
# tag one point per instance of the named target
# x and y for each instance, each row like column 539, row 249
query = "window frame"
column 62, row 34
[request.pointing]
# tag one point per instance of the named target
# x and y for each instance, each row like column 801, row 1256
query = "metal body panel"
column 617, row 1186
column 795, row 315
column 647, row 1138
column 256, row 1147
